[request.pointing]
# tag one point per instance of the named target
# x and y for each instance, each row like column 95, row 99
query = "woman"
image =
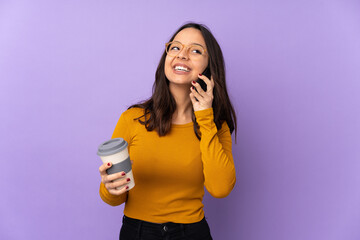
column 179, row 141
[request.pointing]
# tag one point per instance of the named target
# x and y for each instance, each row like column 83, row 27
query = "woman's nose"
column 183, row 54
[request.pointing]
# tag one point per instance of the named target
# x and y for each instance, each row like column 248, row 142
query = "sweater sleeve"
column 123, row 130
column 216, row 155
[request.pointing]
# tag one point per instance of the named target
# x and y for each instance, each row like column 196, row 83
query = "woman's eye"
column 196, row 51
column 175, row 49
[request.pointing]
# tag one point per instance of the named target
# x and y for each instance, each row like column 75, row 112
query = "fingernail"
column 193, row 82
column 127, row 187
column 200, row 74
column 128, row 179
column 193, row 88
column 123, row 174
column 108, row 164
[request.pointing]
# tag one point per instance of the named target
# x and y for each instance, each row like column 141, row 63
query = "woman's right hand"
column 113, row 181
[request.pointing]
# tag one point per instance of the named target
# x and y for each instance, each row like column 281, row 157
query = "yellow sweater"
column 170, row 171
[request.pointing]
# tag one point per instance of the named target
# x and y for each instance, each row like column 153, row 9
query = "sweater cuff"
column 110, row 199
column 206, row 113
column 104, row 192
column 205, row 119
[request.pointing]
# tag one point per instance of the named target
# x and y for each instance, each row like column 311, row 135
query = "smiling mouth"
column 180, row 68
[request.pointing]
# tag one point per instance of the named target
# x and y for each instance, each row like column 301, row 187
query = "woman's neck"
column 183, row 112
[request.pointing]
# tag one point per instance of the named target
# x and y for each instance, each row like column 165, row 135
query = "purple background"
column 69, row 68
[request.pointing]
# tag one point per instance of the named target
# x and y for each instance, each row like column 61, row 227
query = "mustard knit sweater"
column 170, row 171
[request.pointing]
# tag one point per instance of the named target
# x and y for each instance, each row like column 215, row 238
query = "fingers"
column 117, row 183
column 200, row 99
column 105, row 178
column 119, row 191
column 104, row 167
column 198, row 88
column 196, row 94
column 192, row 98
column 209, row 82
column 113, row 177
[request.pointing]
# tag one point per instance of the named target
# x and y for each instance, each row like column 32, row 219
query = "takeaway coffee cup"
column 116, row 152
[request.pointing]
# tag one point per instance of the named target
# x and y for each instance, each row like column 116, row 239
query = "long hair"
column 160, row 107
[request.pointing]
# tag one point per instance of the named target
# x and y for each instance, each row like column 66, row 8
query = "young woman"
column 179, row 141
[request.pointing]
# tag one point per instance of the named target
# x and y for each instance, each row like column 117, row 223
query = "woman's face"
column 191, row 65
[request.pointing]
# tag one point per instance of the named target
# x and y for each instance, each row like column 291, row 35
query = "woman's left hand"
column 204, row 99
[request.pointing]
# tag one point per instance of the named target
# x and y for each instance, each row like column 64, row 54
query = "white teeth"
column 180, row 68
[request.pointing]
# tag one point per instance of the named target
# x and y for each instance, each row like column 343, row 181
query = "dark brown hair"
column 159, row 109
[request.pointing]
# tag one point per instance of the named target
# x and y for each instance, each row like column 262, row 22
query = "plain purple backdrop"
column 68, row 69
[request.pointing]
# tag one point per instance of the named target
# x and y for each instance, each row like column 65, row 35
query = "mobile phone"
column 201, row 82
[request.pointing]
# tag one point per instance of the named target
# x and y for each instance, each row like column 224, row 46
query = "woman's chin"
column 182, row 80
column 180, row 84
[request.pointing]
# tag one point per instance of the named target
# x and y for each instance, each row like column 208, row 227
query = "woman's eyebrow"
column 198, row 44
column 191, row 44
